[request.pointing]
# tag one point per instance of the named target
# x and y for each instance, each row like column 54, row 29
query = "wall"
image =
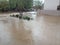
column 49, row 12
column 51, row 4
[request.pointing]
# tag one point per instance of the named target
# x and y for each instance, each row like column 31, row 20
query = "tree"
column 38, row 5
column 21, row 5
column 12, row 4
column 4, row 5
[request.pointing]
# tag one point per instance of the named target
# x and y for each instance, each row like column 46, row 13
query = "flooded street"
column 43, row 30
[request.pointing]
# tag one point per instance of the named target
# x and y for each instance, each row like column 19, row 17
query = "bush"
column 23, row 17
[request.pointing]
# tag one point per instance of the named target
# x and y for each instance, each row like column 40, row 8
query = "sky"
column 39, row 0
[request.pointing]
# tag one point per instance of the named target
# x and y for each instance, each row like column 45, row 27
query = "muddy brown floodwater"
column 43, row 30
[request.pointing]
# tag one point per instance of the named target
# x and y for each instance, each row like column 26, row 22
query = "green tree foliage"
column 12, row 4
column 28, row 3
column 15, row 4
column 38, row 4
column 4, row 5
column 21, row 4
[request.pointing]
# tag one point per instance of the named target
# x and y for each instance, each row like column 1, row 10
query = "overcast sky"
column 39, row 0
